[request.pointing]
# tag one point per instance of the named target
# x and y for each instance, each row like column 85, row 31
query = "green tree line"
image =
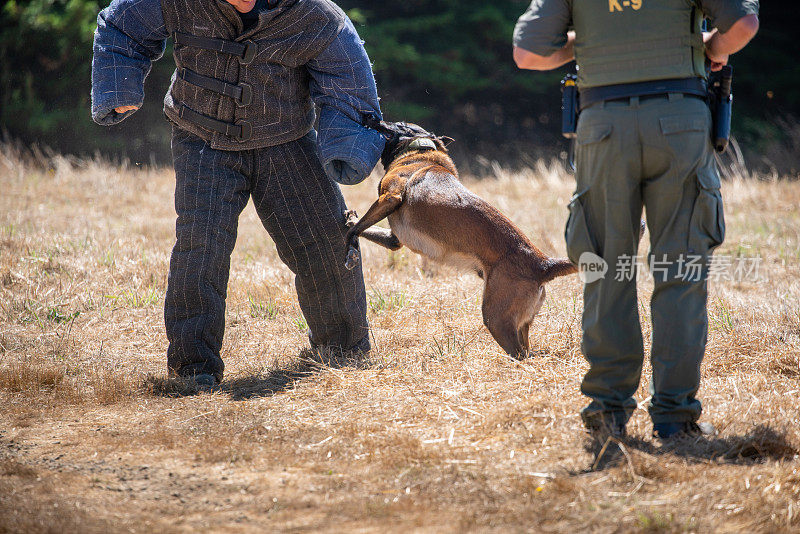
column 443, row 63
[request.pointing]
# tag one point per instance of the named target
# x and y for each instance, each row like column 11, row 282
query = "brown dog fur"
column 432, row 213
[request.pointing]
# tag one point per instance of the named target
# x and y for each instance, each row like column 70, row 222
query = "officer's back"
column 643, row 141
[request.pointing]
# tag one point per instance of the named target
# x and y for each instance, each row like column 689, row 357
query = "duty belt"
column 240, row 130
column 688, row 86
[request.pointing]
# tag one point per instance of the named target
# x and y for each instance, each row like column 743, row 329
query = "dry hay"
column 435, row 431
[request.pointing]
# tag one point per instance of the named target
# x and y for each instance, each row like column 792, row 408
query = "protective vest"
column 246, row 90
column 626, row 41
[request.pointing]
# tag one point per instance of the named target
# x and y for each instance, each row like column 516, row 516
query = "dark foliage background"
column 444, row 63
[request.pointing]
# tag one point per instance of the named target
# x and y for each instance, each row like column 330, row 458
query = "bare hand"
column 123, row 109
column 716, row 62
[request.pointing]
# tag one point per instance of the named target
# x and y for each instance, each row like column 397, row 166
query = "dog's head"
column 402, row 136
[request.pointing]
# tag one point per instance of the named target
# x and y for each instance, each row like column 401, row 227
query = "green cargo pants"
column 653, row 152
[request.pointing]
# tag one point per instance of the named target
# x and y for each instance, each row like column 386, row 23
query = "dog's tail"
column 555, row 267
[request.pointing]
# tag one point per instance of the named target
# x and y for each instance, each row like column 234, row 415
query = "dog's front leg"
column 383, row 237
column 382, row 208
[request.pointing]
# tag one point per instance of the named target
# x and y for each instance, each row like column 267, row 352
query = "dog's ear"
column 384, row 128
column 370, row 121
column 446, row 140
column 388, row 129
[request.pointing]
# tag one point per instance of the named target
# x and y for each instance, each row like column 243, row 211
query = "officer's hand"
column 716, row 62
column 123, row 109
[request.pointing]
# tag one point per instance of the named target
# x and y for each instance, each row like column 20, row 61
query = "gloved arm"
column 343, row 87
column 130, row 35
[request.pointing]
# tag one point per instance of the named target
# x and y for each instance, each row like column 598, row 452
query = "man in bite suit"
column 241, row 104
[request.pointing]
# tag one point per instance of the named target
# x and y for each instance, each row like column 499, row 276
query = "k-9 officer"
column 643, row 140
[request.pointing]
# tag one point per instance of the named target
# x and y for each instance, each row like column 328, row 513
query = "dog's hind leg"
column 530, row 297
column 522, row 335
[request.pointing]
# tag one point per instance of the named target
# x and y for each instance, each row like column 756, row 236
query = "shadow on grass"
column 757, row 446
column 308, row 363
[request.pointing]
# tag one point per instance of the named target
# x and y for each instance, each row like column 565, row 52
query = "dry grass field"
column 437, row 432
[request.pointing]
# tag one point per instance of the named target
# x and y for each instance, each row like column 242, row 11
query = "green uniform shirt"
column 543, row 27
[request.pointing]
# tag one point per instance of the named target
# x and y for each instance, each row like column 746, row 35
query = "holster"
column 569, row 106
column 720, row 99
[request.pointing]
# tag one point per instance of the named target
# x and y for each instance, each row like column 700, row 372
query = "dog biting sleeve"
column 130, row 35
column 343, row 87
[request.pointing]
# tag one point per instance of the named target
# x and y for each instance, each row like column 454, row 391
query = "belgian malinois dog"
column 432, row 213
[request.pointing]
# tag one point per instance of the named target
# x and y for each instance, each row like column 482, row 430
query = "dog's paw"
column 519, row 355
column 352, row 259
column 350, row 218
